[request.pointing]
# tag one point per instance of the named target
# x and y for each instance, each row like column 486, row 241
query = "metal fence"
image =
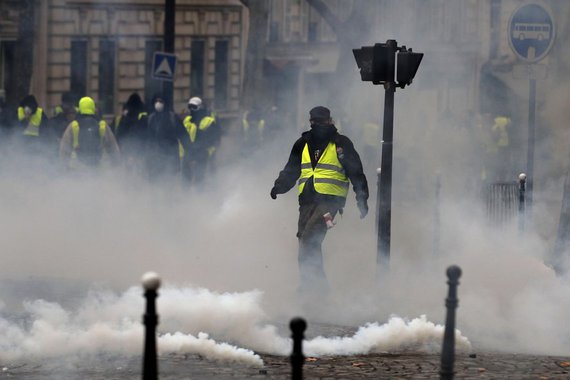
column 502, row 201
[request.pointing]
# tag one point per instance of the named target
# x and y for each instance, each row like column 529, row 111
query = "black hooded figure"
column 165, row 130
column 131, row 131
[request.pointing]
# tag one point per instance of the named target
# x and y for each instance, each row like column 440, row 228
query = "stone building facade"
column 105, row 49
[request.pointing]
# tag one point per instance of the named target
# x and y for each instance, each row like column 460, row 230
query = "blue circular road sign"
column 531, row 32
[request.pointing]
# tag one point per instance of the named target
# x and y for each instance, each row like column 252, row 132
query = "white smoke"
column 110, row 323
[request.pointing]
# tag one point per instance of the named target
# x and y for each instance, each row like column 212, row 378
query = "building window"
column 221, row 74
column 106, row 75
column 152, row 86
column 198, row 52
column 6, row 65
column 79, row 68
column 312, row 32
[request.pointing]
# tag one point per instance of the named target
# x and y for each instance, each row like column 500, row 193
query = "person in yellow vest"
column 495, row 139
column 323, row 163
column 33, row 124
column 205, row 135
column 88, row 142
column 253, row 129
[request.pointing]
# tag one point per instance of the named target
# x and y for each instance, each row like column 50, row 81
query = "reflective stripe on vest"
column 191, row 129
column 33, row 127
column 205, row 123
column 328, row 176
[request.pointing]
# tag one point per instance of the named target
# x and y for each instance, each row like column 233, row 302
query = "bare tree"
column 255, row 87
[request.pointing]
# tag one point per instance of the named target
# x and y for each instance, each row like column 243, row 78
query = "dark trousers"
column 311, row 233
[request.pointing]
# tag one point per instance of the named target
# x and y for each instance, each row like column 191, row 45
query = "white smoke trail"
column 109, row 323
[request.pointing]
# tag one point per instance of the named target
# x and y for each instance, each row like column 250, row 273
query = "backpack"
column 88, row 140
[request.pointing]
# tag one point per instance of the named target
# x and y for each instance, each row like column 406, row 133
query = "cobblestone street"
column 374, row 366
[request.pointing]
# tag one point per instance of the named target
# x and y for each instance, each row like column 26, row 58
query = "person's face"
column 159, row 105
column 27, row 111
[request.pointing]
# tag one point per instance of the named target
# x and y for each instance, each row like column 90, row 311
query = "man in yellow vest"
column 205, row 134
column 253, row 128
column 33, row 123
column 87, row 140
column 322, row 162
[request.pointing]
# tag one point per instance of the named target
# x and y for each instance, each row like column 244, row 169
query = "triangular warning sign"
column 164, row 68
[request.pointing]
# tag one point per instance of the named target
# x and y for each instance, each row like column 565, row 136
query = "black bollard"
column 298, row 327
column 522, row 188
column 151, row 282
column 448, row 347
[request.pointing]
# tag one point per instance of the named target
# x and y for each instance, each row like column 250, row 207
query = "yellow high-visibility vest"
column 260, row 128
column 501, row 123
column 33, row 127
column 328, row 176
column 192, row 130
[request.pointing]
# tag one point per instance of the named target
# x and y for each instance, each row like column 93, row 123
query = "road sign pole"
column 531, row 34
column 169, row 7
column 530, row 150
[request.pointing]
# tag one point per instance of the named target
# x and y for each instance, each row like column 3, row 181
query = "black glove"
column 273, row 193
column 363, row 207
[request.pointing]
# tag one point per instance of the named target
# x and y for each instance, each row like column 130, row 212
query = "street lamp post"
column 169, row 8
column 391, row 66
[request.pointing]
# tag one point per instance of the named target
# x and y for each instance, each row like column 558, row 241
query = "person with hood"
column 131, row 130
column 65, row 114
column 88, row 142
column 165, row 130
column 322, row 162
column 207, row 137
column 33, row 123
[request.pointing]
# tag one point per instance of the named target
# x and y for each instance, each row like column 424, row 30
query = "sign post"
column 531, row 35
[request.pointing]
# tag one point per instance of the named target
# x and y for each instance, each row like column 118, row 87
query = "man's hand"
column 273, row 193
column 363, row 207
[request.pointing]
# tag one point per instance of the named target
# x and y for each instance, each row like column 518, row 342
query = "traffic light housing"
column 376, row 63
column 387, row 63
column 408, row 64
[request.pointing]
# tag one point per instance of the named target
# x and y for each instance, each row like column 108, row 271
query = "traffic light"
column 377, row 63
column 364, row 58
column 380, row 63
column 408, row 64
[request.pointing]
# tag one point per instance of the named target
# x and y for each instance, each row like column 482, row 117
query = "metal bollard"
column 151, row 283
column 298, row 327
column 448, row 347
column 522, row 188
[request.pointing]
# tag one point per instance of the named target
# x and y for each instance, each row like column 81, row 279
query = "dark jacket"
column 132, row 128
column 317, row 140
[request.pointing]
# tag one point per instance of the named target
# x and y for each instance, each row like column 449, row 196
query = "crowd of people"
column 151, row 141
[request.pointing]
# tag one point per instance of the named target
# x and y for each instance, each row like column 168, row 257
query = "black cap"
column 319, row 113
